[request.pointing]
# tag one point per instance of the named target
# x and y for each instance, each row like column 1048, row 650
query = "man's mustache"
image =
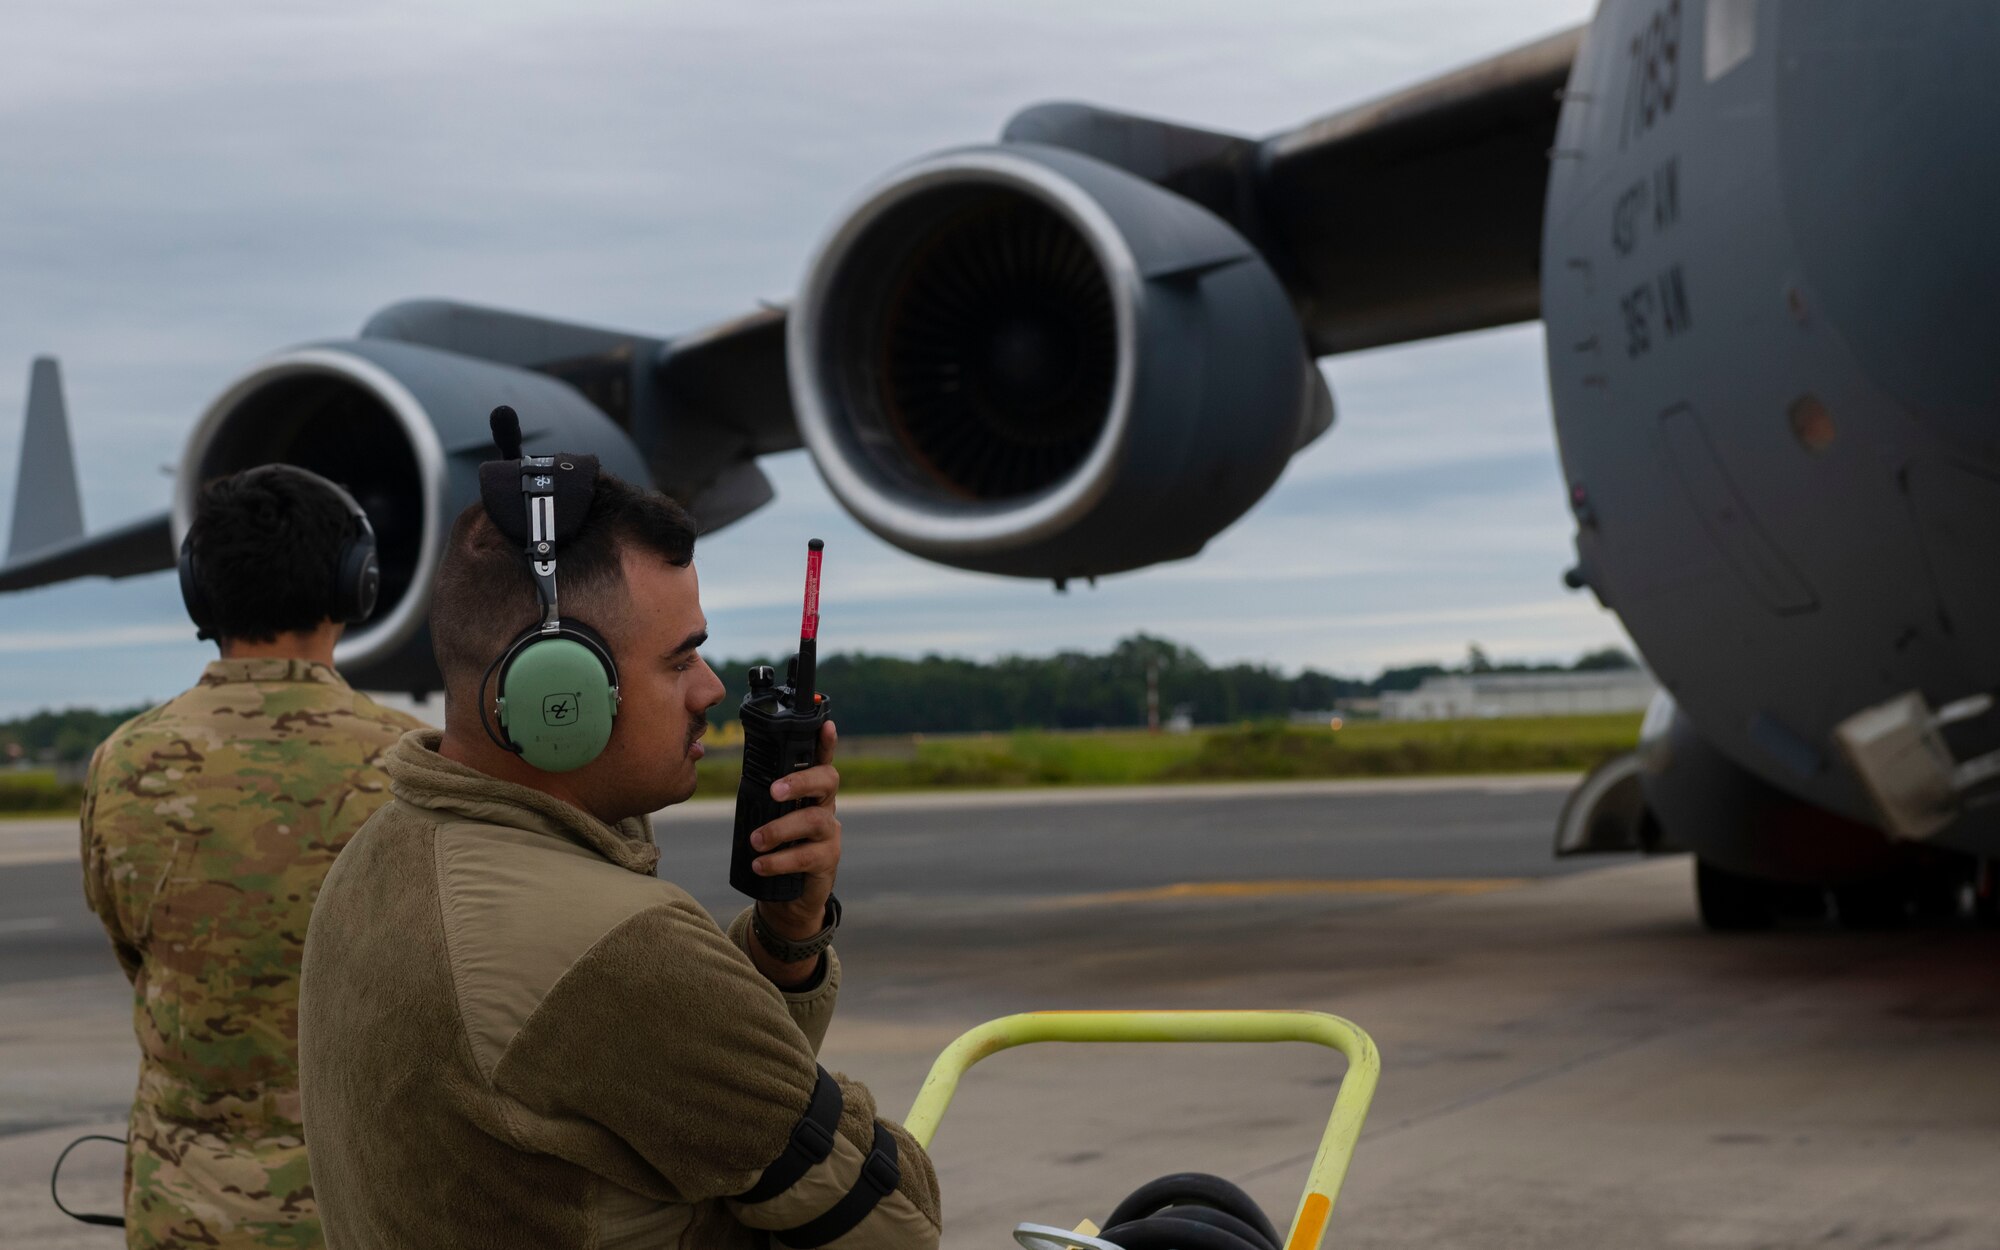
column 698, row 726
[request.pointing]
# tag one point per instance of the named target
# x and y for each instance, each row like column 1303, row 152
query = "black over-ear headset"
column 558, row 685
column 357, row 573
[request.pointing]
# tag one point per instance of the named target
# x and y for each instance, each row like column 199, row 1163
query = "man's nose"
column 712, row 694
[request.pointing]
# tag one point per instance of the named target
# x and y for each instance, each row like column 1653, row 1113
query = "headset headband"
column 539, row 502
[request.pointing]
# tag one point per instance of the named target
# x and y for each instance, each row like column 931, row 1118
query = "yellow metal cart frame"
column 1336, row 1146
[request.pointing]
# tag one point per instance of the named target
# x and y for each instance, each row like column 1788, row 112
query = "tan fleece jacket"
column 512, row 1034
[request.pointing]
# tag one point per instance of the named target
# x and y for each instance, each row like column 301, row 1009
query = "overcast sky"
column 185, row 188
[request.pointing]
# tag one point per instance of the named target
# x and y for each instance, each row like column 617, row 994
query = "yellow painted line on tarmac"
column 1273, row 889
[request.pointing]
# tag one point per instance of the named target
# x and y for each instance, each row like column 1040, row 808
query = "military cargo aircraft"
column 1759, row 234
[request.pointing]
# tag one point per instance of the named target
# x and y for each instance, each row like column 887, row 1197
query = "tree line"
column 883, row 694
column 69, row 735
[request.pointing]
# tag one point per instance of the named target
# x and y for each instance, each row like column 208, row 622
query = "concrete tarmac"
column 980, row 847
column 1568, row 1059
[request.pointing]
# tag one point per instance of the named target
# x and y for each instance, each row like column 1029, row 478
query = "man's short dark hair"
column 266, row 551
column 485, row 596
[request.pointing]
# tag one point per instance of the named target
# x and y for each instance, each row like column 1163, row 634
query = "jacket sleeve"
column 98, row 889
column 812, row 1007
column 666, row 1035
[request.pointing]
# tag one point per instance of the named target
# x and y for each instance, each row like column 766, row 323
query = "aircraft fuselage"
column 1766, row 279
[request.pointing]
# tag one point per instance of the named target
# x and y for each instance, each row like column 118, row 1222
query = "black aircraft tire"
column 1731, row 902
column 1871, row 905
column 1986, row 913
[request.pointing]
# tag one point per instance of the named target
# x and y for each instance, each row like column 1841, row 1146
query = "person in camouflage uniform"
column 208, row 824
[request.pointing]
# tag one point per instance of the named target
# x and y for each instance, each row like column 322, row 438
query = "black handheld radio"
column 781, row 727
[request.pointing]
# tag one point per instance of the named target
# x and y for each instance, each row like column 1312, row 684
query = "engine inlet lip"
column 936, row 525
column 379, row 638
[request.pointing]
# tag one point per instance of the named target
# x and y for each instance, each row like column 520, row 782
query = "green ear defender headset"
column 557, row 690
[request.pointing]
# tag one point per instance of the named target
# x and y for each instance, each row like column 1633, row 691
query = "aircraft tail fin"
column 48, row 505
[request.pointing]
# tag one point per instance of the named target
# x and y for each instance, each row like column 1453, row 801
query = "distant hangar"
column 1464, row 696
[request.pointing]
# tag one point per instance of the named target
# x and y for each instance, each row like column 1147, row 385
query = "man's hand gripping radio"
column 781, row 733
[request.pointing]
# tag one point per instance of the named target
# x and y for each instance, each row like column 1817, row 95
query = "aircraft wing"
column 144, row 546
column 1420, row 214
column 1408, row 217
column 1090, row 347
column 1411, row 216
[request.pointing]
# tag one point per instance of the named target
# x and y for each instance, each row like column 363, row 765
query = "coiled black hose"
column 1189, row 1211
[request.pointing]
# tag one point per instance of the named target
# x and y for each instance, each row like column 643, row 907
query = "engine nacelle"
column 404, row 428
column 1020, row 360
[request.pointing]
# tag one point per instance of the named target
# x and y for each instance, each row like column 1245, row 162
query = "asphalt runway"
column 927, row 851
column 1568, row 1059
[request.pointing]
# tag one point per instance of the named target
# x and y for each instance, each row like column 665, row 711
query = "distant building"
column 1360, row 707
column 1466, row 696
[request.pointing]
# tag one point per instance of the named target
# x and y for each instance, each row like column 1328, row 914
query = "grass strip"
column 1133, row 757
column 37, row 791
column 1235, row 753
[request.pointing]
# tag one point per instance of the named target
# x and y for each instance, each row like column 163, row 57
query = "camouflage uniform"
column 208, row 825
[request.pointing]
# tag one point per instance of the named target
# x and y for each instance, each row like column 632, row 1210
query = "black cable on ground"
column 106, row 1221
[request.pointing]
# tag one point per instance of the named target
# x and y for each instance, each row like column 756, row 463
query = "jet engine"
column 1021, row 360
column 404, row 429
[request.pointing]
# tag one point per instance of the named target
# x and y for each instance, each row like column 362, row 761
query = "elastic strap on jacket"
column 880, row 1174
column 811, row 1143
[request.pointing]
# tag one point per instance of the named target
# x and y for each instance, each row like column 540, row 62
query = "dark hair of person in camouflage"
column 485, row 595
column 266, row 550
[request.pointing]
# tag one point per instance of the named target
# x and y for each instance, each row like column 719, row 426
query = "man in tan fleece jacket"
column 513, row 1034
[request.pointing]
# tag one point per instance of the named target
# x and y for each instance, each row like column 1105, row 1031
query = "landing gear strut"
column 1871, row 905
column 1731, row 902
column 1940, row 889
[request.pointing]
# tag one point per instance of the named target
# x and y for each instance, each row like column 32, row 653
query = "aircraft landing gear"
column 1986, row 896
column 1925, row 886
column 1867, row 906
column 1931, row 893
column 1731, row 902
